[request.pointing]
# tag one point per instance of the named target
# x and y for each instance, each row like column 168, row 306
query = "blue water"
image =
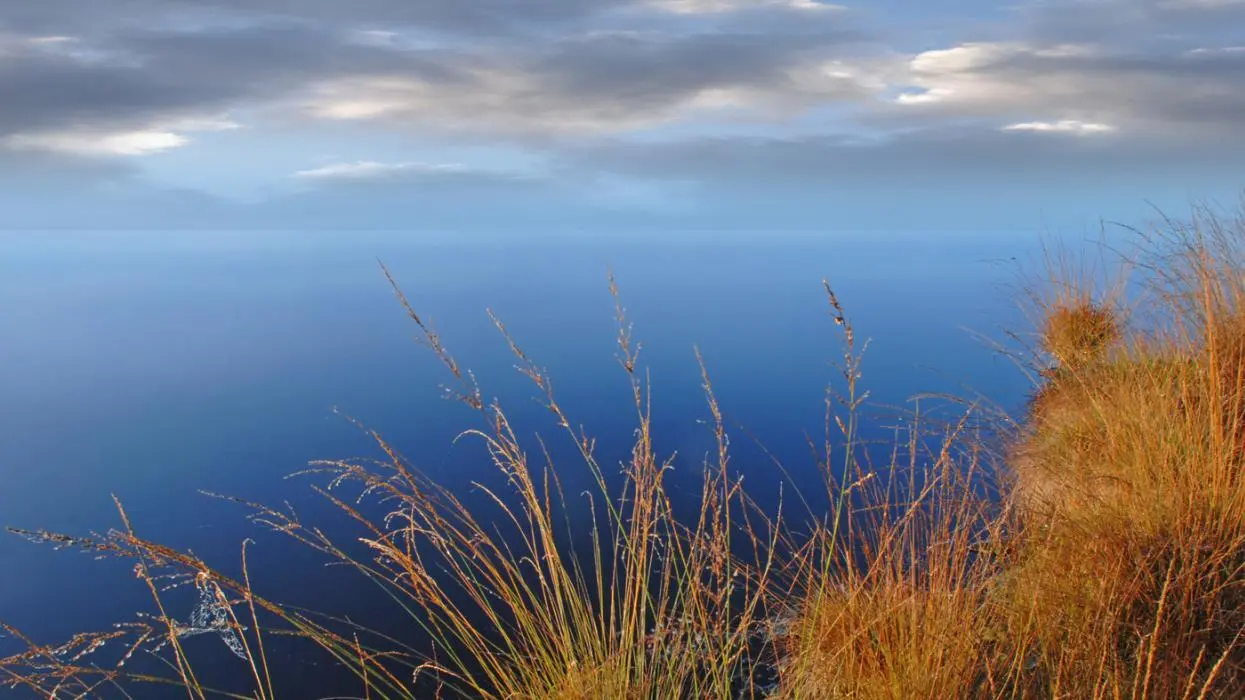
column 154, row 365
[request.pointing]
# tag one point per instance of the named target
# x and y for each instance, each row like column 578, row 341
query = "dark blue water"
column 154, row 365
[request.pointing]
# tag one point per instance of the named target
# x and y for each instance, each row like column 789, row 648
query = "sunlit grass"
column 1130, row 473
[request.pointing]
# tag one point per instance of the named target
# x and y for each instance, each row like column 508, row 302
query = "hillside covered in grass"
column 1093, row 547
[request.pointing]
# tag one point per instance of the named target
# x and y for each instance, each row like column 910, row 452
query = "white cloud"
column 125, row 143
column 707, row 7
column 1063, row 126
column 962, row 58
column 1200, row 4
column 1217, row 51
column 202, row 124
column 926, row 96
column 373, row 170
column 62, row 45
column 956, row 74
column 155, row 138
column 16, row 44
column 51, row 40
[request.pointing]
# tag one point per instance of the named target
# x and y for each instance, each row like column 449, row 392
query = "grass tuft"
column 1080, row 333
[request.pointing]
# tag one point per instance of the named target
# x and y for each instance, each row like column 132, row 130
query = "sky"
column 595, row 114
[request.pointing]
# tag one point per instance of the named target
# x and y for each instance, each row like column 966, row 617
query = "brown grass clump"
column 893, row 604
column 1079, row 310
column 1129, row 478
column 1109, row 438
column 885, row 640
column 1112, row 612
column 911, row 620
column 1076, row 335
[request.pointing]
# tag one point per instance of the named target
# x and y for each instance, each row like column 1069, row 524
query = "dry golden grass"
column 887, row 641
column 1099, row 438
column 1079, row 334
column 1129, row 478
column 894, row 601
column 912, row 620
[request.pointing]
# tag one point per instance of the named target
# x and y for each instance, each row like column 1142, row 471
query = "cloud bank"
column 716, row 110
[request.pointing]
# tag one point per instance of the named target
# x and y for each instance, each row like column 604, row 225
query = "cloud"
column 142, row 80
column 1166, row 92
column 699, row 7
column 694, row 97
column 1200, row 4
column 634, row 70
column 936, row 158
column 109, row 194
column 1158, row 68
column 420, row 196
column 932, row 179
column 477, row 17
column 87, row 142
column 587, row 68
column 130, row 143
column 411, row 181
column 473, row 20
column 1136, row 23
column 414, row 178
column 599, row 83
column 1065, row 126
column 370, row 170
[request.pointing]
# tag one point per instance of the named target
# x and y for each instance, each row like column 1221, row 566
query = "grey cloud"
column 607, row 83
column 144, row 76
column 1174, row 93
column 1135, row 22
column 1186, row 90
column 471, row 16
column 1164, row 69
column 560, row 73
column 132, row 76
column 481, row 19
column 583, row 80
column 931, row 180
column 626, row 67
column 932, row 158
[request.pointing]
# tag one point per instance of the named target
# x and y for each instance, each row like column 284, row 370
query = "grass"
column 1130, row 478
column 1099, row 554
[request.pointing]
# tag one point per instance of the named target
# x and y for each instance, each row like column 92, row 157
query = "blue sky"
column 411, row 114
